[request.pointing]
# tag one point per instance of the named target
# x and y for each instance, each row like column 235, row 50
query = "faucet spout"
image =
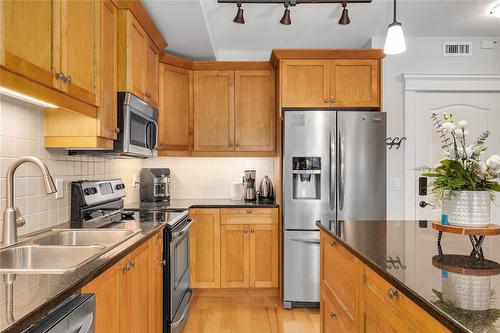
column 11, row 214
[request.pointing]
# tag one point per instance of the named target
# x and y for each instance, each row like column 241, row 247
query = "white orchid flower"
column 448, row 127
column 461, row 133
column 462, row 124
column 493, row 162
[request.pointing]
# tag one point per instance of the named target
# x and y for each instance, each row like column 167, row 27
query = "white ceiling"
column 204, row 29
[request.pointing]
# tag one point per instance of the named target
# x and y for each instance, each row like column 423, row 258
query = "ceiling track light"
column 344, row 18
column 395, row 39
column 239, row 14
column 285, row 20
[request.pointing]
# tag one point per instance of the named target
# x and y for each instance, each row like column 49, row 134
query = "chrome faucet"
column 12, row 217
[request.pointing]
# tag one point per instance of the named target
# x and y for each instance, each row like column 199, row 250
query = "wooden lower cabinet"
column 204, row 248
column 234, row 248
column 127, row 294
column 356, row 299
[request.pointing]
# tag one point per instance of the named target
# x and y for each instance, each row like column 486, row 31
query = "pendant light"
column 239, row 15
column 344, row 18
column 285, row 20
column 395, row 39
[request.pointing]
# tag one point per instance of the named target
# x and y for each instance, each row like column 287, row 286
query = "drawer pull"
column 333, row 315
column 333, row 242
column 392, row 293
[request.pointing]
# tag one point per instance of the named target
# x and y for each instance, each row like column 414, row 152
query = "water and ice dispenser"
column 306, row 173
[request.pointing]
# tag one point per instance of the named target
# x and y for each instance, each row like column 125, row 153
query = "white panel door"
column 482, row 112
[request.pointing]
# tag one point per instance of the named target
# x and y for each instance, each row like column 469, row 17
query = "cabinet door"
column 254, row 115
column 328, row 316
column 263, row 256
column 305, row 83
column 157, row 283
column 355, row 83
column 176, row 109
column 136, row 293
column 106, row 288
column 204, row 251
column 138, row 55
column 78, row 49
column 373, row 322
column 153, row 61
column 214, row 111
column 26, row 39
column 107, row 65
column 234, row 256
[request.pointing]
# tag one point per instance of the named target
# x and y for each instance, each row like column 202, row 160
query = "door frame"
column 419, row 83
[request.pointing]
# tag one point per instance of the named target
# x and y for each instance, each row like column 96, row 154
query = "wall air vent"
column 457, row 49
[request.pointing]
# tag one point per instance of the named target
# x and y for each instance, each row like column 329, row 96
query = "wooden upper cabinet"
column 176, row 109
column 152, row 65
column 305, row 83
column 235, row 268
column 214, row 111
column 78, row 49
column 27, row 37
column 107, row 69
column 138, row 59
column 254, row 116
column 205, row 248
column 355, row 83
column 330, row 83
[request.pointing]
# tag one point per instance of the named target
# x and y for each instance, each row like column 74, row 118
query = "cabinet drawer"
column 333, row 315
column 376, row 289
column 339, row 273
column 249, row 216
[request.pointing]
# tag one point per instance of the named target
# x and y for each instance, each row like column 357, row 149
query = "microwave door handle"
column 154, row 135
column 146, row 136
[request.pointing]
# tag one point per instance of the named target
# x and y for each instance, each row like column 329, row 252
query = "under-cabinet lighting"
column 26, row 98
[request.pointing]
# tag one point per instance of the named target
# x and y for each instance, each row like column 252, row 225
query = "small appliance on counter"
column 266, row 189
column 249, row 191
column 155, row 184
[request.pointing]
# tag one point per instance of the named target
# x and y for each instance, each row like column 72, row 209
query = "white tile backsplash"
column 209, row 177
column 21, row 133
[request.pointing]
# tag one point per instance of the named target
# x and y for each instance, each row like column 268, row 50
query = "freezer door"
column 361, row 165
column 308, row 180
column 301, row 266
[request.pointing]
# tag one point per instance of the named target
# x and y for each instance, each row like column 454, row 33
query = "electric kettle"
column 266, row 189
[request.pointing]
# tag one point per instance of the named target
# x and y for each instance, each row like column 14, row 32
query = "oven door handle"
column 178, row 234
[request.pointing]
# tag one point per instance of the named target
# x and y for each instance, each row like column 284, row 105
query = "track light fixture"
column 239, row 15
column 286, row 15
column 344, row 18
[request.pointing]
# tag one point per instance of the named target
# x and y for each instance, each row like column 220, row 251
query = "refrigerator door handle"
column 333, row 170
column 306, row 240
column 341, row 171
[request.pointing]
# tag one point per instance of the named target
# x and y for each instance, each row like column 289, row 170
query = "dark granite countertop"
column 458, row 291
column 34, row 295
column 181, row 204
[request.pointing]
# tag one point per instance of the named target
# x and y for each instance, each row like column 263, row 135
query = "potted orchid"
column 462, row 181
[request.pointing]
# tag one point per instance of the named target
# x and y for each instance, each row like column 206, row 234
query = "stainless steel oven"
column 177, row 293
column 138, row 134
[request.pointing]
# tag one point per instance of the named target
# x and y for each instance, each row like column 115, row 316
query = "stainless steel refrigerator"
column 334, row 169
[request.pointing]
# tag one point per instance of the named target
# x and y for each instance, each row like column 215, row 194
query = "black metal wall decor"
column 395, row 142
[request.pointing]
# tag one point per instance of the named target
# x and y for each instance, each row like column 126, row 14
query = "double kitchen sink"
column 60, row 251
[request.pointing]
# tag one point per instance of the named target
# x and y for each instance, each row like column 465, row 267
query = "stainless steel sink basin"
column 101, row 237
column 46, row 259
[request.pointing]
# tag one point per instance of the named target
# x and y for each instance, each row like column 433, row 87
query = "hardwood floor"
column 247, row 311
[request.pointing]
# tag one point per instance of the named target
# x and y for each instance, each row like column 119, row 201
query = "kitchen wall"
column 209, row 178
column 424, row 55
column 21, row 133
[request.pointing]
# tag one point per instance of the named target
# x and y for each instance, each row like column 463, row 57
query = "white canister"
column 468, row 208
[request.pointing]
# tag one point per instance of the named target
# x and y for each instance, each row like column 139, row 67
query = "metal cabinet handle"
column 60, row 76
column 252, row 230
column 332, row 100
column 392, row 293
column 237, row 145
column 116, row 130
column 333, row 315
column 230, row 145
column 126, row 267
column 132, row 263
column 163, row 262
column 327, row 100
column 245, row 231
column 68, row 79
column 333, row 242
